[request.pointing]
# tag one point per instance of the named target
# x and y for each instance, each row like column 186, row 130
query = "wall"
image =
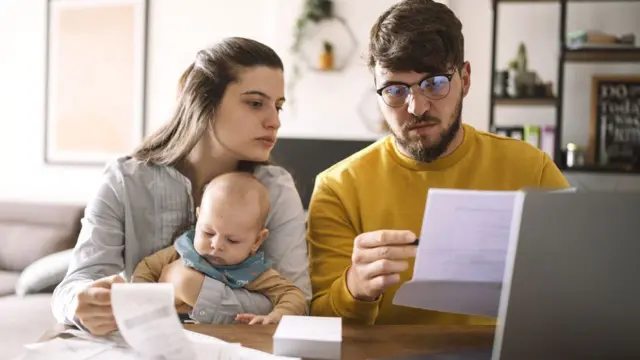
column 24, row 176
column 324, row 105
column 537, row 26
column 177, row 30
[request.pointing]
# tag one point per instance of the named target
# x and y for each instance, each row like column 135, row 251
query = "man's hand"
column 94, row 306
column 186, row 281
column 252, row 319
column 378, row 259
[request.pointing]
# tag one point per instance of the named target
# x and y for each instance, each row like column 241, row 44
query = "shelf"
column 602, row 55
column 598, row 169
column 525, row 101
column 568, row 56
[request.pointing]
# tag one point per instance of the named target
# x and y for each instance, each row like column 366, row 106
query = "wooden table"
column 367, row 342
column 358, row 342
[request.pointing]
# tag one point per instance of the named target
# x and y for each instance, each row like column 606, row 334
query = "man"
column 367, row 209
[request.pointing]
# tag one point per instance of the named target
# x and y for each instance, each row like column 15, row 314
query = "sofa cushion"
column 8, row 280
column 30, row 231
column 44, row 274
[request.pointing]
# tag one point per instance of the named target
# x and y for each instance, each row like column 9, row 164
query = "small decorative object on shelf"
column 326, row 58
column 500, row 83
column 596, row 39
column 573, row 155
column 318, row 27
column 542, row 137
column 518, row 82
column 314, row 11
column 525, row 83
column 521, row 59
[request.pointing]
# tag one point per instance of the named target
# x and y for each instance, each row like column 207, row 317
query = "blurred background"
column 335, row 103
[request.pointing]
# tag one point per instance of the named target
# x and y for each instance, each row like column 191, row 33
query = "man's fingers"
column 364, row 256
column 255, row 320
column 379, row 283
column 384, row 267
column 384, row 237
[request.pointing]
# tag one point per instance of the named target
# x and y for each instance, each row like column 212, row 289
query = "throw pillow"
column 44, row 274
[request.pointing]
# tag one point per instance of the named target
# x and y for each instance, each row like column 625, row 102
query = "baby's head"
column 231, row 218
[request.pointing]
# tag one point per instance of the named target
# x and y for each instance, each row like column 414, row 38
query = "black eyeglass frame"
column 395, row 83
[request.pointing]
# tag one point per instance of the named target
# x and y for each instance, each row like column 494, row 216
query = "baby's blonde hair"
column 242, row 186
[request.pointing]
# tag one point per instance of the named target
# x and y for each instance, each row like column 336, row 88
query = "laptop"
column 571, row 287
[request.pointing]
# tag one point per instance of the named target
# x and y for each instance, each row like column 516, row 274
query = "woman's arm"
column 217, row 303
column 285, row 246
column 99, row 250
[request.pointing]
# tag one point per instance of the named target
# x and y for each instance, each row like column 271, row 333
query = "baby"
column 224, row 245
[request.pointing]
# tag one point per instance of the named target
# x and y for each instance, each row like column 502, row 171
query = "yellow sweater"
column 380, row 188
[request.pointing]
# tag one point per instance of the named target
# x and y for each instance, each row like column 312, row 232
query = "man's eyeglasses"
column 433, row 87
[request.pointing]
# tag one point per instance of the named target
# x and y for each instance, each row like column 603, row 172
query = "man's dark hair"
column 417, row 35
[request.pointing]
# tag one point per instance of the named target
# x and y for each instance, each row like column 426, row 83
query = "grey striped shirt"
column 135, row 212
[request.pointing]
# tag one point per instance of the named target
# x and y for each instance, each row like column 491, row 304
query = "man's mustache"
column 415, row 120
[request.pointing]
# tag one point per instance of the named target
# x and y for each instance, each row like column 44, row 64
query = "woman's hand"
column 252, row 319
column 94, row 306
column 186, row 281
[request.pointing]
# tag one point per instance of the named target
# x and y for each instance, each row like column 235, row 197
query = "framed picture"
column 614, row 132
column 95, row 79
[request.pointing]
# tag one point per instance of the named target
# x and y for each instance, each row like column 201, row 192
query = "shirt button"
column 202, row 313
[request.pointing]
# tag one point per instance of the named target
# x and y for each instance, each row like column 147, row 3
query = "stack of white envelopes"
column 308, row 337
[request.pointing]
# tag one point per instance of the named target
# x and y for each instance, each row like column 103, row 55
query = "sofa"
column 36, row 241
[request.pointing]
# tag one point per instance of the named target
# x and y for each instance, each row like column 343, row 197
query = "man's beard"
column 426, row 154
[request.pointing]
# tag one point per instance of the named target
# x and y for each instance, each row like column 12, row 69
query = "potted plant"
column 326, row 58
column 313, row 12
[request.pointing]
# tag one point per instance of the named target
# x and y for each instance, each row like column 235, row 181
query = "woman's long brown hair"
column 200, row 91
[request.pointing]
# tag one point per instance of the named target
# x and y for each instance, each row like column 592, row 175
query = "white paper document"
column 149, row 329
column 464, row 236
column 145, row 313
column 461, row 257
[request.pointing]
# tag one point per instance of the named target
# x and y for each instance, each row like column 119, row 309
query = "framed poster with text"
column 614, row 133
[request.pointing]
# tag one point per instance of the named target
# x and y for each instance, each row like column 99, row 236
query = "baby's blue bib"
column 234, row 276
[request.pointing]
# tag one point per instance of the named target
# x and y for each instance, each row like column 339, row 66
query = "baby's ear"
column 261, row 236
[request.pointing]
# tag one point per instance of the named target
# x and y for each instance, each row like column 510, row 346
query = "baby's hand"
column 252, row 319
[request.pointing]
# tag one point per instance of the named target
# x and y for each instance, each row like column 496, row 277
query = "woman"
column 227, row 118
